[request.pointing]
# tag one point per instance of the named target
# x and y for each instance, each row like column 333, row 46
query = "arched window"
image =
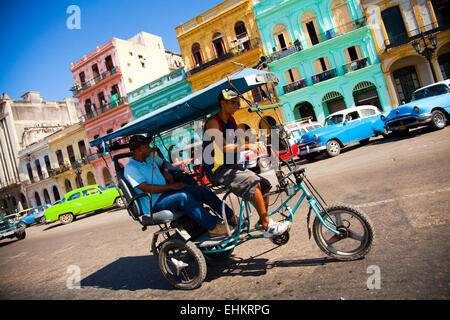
column 281, row 37
column 341, row 16
column 218, row 45
column 311, row 28
column 38, row 199
column 197, row 54
column 394, row 25
column 47, row 197
column 242, row 36
column 56, row 193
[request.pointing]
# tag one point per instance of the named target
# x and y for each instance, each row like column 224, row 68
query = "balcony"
column 104, row 108
column 77, row 87
column 355, row 65
column 343, row 29
column 284, row 53
column 294, row 86
column 233, row 52
column 405, row 38
column 329, row 74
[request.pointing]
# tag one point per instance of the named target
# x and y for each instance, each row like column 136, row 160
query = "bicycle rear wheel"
column 356, row 237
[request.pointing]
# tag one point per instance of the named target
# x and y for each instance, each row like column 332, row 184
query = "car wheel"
column 66, row 218
column 22, row 225
column 438, row 120
column 42, row 220
column 264, row 164
column 333, row 148
column 21, row 235
column 119, row 202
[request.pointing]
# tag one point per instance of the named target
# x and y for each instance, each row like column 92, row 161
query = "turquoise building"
column 160, row 93
column 323, row 54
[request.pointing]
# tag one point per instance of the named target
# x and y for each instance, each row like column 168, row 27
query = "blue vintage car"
column 31, row 216
column 430, row 106
column 341, row 128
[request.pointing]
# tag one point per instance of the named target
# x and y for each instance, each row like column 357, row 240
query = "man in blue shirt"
column 144, row 174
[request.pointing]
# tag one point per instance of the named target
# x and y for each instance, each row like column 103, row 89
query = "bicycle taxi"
column 180, row 247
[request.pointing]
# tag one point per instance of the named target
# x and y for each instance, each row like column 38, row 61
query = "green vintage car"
column 81, row 201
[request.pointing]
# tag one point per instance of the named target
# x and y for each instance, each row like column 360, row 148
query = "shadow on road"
column 254, row 266
column 129, row 273
column 139, row 273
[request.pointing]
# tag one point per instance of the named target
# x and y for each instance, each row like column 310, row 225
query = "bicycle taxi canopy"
column 191, row 107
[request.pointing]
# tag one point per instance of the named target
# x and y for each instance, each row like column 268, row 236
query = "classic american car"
column 341, row 128
column 34, row 215
column 81, row 201
column 430, row 106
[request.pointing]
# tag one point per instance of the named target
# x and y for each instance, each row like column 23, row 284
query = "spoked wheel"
column 182, row 264
column 356, row 238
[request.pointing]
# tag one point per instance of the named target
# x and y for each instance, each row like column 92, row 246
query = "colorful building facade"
column 212, row 43
column 103, row 79
column 401, row 27
column 324, row 55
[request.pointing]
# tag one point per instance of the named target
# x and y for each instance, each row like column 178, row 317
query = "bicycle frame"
column 244, row 216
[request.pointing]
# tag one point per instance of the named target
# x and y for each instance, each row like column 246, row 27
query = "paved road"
column 403, row 185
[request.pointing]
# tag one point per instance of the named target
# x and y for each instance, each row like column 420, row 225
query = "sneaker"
column 219, row 230
column 274, row 228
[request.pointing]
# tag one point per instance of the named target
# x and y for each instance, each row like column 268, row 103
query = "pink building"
column 104, row 77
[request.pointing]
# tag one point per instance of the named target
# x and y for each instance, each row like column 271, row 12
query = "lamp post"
column 427, row 51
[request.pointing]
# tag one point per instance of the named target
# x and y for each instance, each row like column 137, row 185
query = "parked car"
column 34, row 215
column 341, row 128
column 81, row 201
column 430, row 106
column 10, row 228
column 261, row 162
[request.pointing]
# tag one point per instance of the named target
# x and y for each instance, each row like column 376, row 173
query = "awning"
column 192, row 107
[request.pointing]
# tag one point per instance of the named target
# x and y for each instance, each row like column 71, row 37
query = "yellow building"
column 402, row 30
column 70, row 158
column 212, row 41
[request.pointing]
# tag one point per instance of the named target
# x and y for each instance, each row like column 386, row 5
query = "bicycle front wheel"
column 356, row 233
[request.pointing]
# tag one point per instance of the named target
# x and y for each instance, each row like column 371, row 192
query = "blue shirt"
column 139, row 172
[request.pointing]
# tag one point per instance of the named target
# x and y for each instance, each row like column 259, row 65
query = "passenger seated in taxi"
column 147, row 172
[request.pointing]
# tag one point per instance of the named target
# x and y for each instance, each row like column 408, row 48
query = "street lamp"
column 427, row 51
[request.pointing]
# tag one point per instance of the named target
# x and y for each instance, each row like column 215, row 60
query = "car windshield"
column 313, row 127
column 334, row 119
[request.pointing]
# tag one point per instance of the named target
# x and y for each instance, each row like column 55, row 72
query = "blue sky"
column 37, row 47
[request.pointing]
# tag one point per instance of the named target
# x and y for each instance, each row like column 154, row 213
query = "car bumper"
column 302, row 152
column 410, row 122
column 7, row 234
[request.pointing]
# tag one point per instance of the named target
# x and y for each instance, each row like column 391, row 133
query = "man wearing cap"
column 221, row 149
column 144, row 174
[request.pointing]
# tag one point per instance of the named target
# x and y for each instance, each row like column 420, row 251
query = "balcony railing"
column 235, row 51
column 355, row 65
column 343, row 29
column 329, row 74
column 295, row 86
column 105, row 107
column 77, row 87
column 284, row 53
column 405, row 38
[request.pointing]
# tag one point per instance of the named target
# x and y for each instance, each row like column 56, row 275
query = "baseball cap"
column 228, row 94
column 137, row 141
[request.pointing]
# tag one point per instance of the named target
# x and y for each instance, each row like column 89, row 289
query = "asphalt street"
column 402, row 184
